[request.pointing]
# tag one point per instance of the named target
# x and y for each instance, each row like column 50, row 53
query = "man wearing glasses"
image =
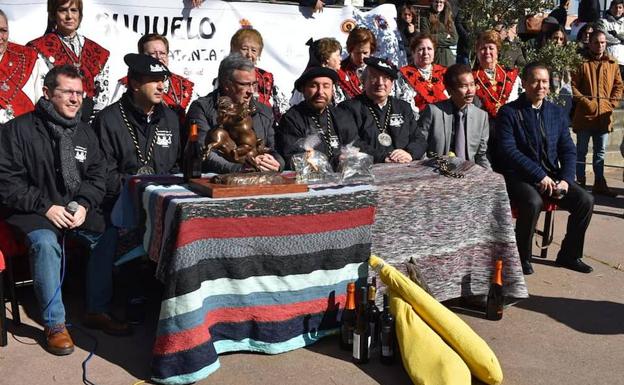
column 53, row 182
column 237, row 80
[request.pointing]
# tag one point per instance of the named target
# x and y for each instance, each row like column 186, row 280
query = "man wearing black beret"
column 315, row 116
column 385, row 124
column 138, row 134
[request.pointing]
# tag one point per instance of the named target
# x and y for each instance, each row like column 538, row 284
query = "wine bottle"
column 387, row 336
column 192, row 157
column 361, row 333
column 373, row 315
column 495, row 299
column 347, row 321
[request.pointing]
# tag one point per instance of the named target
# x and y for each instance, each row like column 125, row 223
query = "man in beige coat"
column 597, row 89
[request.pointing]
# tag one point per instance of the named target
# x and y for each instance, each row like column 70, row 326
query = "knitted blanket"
column 266, row 274
column 454, row 229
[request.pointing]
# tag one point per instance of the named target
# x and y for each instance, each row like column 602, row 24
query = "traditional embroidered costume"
column 428, row 84
column 350, row 78
column 496, row 88
column 89, row 57
column 20, row 81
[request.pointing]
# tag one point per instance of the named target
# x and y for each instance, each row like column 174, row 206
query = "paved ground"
column 571, row 331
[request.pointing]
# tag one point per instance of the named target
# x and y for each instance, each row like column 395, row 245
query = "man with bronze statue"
column 385, row 124
column 235, row 127
column 315, row 116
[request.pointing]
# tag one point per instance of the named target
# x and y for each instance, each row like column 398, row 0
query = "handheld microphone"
column 72, row 207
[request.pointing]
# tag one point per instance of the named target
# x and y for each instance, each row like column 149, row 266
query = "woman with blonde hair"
column 496, row 84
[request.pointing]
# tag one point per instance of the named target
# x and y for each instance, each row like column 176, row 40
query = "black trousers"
column 529, row 202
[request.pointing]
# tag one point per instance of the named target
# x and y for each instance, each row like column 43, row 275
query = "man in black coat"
column 315, row 117
column 386, row 125
column 53, row 181
column 538, row 161
column 237, row 80
column 138, row 133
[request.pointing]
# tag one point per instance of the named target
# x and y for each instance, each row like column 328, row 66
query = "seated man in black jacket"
column 237, row 80
column 315, row 116
column 138, row 133
column 53, row 180
column 538, row 161
column 385, row 124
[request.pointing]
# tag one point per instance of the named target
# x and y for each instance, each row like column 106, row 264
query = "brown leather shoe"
column 58, row 340
column 107, row 324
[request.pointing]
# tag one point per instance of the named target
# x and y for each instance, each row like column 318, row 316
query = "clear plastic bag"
column 313, row 167
column 355, row 166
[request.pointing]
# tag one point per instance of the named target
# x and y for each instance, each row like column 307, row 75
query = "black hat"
column 145, row 65
column 315, row 72
column 383, row 65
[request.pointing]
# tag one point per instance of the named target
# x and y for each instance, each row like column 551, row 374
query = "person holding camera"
column 538, row 162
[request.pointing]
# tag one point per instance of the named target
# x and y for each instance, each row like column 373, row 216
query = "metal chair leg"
column 3, row 321
column 546, row 238
column 11, row 283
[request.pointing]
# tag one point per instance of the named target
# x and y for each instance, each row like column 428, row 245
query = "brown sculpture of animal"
column 234, row 136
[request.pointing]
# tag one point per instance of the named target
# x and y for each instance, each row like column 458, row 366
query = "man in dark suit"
column 538, row 161
column 455, row 125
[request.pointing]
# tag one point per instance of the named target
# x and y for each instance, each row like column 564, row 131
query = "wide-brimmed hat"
column 315, row 72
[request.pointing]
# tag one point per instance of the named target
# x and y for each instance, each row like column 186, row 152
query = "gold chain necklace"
column 498, row 104
column 383, row 137
column 145, row 169
column 325, row 134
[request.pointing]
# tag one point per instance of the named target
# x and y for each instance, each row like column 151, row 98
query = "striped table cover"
column 265, row 274
column 452, row 228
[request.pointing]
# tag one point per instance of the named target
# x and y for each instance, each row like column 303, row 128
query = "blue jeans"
column 599, row 144
column 45, row 264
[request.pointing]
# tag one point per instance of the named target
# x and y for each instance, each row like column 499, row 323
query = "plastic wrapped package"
column 313, row 167
column 354, row 165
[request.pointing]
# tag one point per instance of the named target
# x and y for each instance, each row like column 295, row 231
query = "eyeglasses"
column 70, row 93
column 251, row 85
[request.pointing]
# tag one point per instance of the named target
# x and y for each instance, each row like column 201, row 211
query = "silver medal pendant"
column 145, row 170
column 9, row 111
column 4, row 87
column 384, row 139
column 334, row 142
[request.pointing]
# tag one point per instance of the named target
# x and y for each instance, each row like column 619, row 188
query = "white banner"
column 199, row 38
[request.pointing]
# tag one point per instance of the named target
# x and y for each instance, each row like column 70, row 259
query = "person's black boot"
column 527, row 268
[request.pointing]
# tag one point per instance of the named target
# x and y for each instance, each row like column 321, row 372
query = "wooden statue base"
column 205, row 186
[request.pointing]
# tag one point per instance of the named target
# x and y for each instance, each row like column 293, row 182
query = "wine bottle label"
column 356, row 346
